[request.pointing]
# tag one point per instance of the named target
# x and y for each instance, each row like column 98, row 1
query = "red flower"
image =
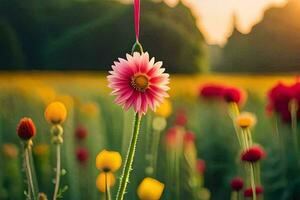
column 201, row 166
column 82, row 154
column 253, row 154
column 258, row 189
column 232, row 95
column 80, row 132
column 237, row 184
column 171, row 138
column 279, row 97
column 181, row 118
column 211, row 91
column 189, row 136
column 26, row 129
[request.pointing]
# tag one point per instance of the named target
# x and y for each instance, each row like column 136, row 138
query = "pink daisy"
column 138, row 82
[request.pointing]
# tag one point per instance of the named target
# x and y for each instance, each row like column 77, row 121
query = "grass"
column 86, row 96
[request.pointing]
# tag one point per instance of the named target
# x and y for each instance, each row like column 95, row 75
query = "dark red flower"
column 237, row 184
column 26, row 129
column 211, row 91
column 201, row 166
column 253, row 154
column 181, row 118
column 258, row 189
column 82, row 154
column 279, row 98
column 189, row 136
column 233, row 95
column 81, row 132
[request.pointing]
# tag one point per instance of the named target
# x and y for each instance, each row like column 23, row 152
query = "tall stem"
column 155, row 146
column 107, row 190
column 294, row 110
column 58, row 170
column 252, row 181
column 28, row 173
column 129, row 159
column 177, row 175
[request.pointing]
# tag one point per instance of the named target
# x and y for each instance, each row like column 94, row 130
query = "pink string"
column 137, row 10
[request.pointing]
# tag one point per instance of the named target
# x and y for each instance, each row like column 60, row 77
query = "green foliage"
column 89, row 35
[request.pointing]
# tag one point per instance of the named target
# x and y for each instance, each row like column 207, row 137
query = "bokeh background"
column 62, row 50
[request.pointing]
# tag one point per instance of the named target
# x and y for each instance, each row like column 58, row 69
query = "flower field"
column 200, row 144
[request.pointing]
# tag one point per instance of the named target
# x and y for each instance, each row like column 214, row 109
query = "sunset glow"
column 215, row 16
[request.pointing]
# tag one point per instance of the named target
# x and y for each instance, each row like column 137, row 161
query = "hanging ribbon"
column 137, row 11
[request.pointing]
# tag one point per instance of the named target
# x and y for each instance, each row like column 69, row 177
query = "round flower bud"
column 26, row 129
column 237, row 184
column 181, row 118
column 159, row 123
column 150, row 188
column 253, row 154
column 108, row 161
column 82, row 155
column 57, row 140
column 56, row 113
column 57, row 130
column 42, row 196
column 81, row 132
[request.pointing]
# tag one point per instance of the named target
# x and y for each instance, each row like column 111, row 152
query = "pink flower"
column 211, row 91
column 138, row 82
column 237, row 184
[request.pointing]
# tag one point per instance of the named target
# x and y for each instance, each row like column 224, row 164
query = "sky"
column 214, row 17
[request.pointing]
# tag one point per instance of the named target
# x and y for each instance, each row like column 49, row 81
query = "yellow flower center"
column 140, row 82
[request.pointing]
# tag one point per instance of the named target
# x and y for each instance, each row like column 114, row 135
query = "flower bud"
column 26, row 129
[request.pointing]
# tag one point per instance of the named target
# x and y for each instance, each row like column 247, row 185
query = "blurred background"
column 62, row 49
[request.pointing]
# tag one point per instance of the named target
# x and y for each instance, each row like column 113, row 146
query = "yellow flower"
column 41, row 150
column 108, row 161
column 100, row 181
column 90, row 109
column 56, row 112
column 10, row 151
column 150, row 189
column 165, row 109
column 246, row 120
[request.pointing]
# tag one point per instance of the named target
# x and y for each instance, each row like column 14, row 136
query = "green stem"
column 137, row 47
column 129, row 159
column 233, row 113
column 177, row 175
column 107, row 190
column 293, row 110
column 29, row 174
column 252, row 181
column 58, row 170
column 155, row 146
